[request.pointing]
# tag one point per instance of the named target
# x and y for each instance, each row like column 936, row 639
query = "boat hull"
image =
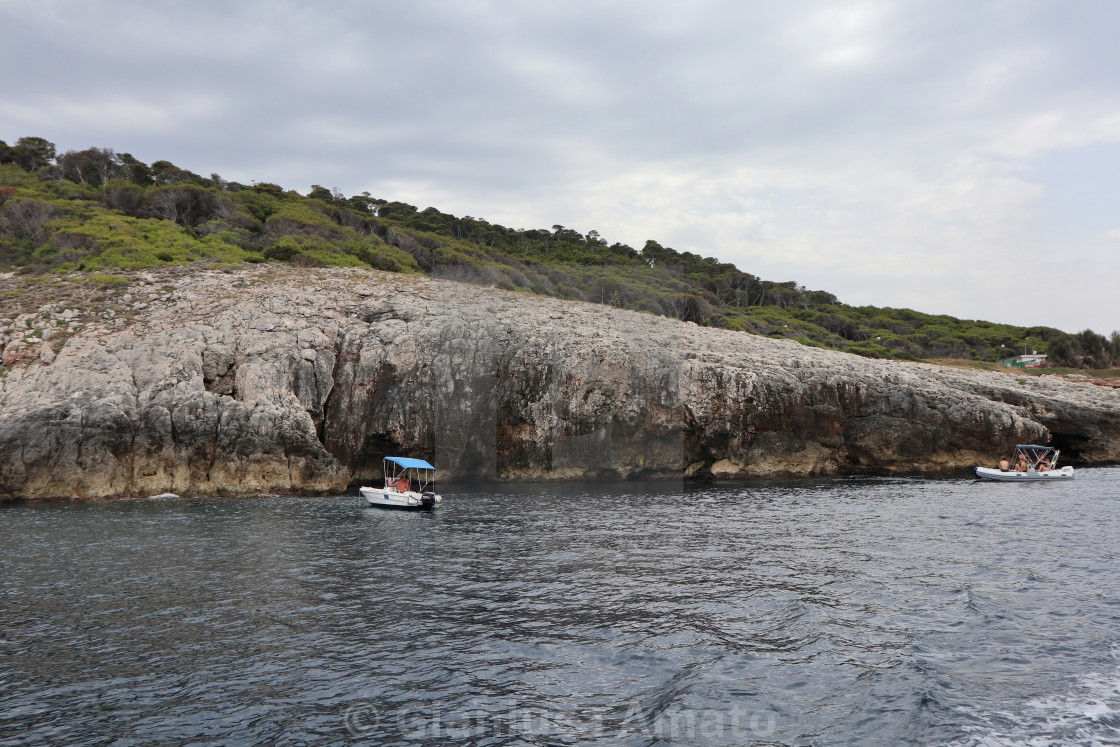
column 987, row 473
column 409, row 501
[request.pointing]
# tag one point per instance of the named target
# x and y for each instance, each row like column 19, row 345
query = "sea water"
column 848, row 611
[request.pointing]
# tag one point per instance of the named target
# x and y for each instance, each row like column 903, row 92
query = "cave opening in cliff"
column 1072, row 445
column 366, row 463
column 475, row 463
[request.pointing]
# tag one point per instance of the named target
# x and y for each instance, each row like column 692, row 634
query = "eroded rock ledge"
column 267, row 380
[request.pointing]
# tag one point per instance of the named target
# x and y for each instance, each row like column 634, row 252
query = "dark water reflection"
column 837, row 612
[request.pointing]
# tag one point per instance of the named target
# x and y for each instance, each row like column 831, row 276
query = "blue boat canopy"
column 1032, row 447
column 409, row 463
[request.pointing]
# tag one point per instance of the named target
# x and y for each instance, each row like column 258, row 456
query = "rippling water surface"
column 883, row 611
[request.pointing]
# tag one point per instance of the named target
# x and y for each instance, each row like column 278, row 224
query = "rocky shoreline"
column 276, row 379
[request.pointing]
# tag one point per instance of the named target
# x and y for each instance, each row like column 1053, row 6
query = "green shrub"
column 310, row 251
column 107, row 281
column 377, row 254
column 868, row 350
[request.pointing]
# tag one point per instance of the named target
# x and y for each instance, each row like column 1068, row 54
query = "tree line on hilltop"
column 96, row 209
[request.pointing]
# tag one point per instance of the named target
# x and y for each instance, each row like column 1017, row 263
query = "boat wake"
column 1087, row 714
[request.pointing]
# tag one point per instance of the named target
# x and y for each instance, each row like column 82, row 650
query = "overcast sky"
column 953, row 157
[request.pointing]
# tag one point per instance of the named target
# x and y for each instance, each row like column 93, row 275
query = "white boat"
column 408, row 484
column 1030, row 463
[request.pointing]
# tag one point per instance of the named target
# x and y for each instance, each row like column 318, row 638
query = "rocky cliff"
column 279, row 379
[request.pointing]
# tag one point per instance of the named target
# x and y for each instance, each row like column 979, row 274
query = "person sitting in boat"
column 1043, row 465
column 1004, row 465
column 1022, row 465
column 400, row 484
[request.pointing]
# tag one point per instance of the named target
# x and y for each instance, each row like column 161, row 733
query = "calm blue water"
column 859, row 611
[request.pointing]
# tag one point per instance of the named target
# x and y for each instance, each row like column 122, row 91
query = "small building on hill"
column 1034, row 360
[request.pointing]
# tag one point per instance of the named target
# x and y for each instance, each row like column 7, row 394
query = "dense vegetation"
column 97, row 210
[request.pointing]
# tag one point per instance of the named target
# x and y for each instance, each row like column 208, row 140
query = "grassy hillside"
column 96, row 210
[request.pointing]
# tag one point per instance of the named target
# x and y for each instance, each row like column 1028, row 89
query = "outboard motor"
column 428, row 500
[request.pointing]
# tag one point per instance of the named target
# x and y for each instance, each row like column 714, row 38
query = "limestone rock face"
column 268, row 380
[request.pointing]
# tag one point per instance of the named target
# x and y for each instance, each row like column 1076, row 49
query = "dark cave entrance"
column 1071, row 445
